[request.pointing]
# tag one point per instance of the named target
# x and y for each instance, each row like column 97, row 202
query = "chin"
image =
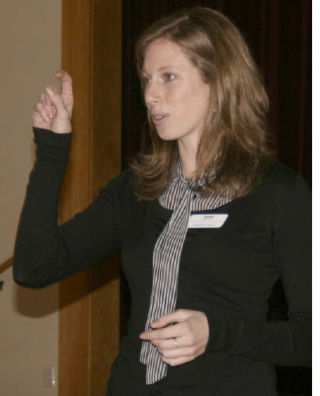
column 169, row 137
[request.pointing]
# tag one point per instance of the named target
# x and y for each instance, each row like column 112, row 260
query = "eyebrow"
column 162, row 68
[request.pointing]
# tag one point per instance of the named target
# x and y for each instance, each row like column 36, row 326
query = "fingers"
column 174, row 353
column 171, row 343
column 183, row 341
column 47, row 99
column 178, row 351
column 178, row 316
column 38, row 121
column 55, row 98
column 44, row 111
column 54, row 110
column 39, row 107
column 175, row 345
column 177, row 330
column 48, row 105
column 177, row 361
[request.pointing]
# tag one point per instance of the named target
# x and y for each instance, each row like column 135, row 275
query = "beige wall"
column 30, row 48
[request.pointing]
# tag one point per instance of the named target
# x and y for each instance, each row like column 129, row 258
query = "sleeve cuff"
column 217, row 330
column 50, row 138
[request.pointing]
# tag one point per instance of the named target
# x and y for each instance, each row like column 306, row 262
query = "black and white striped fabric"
column 182, row 199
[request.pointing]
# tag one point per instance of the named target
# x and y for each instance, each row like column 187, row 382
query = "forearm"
column 37, row 242
column 46, row 252
column 284, row 343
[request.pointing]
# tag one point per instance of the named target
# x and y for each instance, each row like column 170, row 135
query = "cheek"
column 196, row 104
column 188, row 101
column 184, row 101
column 175, row 96
column 202, row 99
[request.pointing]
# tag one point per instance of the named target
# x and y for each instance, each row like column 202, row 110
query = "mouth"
column 158, row 118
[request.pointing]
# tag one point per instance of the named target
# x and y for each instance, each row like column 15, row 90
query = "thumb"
column 56, row 99
column 61, row 120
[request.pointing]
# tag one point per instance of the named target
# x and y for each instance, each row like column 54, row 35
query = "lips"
column 158, row 118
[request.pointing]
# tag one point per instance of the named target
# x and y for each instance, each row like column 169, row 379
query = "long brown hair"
column 233, row 142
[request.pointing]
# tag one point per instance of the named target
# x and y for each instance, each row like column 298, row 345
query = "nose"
column 151, row 94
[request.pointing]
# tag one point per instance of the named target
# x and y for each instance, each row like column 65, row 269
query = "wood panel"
column 5, row 265
column 74, row 324
column 89, row 301
column 106, row 164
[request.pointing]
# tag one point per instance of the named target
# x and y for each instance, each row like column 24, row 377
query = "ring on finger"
column 175, row 342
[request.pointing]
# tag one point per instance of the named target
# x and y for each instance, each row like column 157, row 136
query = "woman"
column 206, row 220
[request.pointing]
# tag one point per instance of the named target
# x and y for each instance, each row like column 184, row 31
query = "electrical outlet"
column 49, row 376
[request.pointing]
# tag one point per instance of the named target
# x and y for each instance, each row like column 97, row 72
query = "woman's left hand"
column 184, row 340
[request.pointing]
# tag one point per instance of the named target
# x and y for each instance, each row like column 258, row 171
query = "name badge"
column 207, row 220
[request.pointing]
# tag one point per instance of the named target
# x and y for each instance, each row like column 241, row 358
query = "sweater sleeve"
column 288, row 342
column 44, row 251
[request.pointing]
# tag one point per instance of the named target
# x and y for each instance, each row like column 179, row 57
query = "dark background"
column 279, row 35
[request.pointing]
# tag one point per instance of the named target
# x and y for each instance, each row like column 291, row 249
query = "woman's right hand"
column 54, row 109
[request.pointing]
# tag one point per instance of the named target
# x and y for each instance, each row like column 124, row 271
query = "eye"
column 169, row 76
column 145, row 81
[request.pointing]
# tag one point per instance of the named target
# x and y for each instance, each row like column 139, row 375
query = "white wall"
column 30, row 48
column 28, row 338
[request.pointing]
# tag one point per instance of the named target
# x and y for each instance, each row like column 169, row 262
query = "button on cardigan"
column 227, row 273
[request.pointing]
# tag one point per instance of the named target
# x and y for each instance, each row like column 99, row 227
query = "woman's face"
column 175, row 94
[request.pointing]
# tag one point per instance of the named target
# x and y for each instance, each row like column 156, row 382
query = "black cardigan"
column 227, row 273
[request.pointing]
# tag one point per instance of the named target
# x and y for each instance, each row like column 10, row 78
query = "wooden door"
column 89, row 301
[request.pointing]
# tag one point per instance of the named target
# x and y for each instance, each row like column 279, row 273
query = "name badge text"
column 207, row 220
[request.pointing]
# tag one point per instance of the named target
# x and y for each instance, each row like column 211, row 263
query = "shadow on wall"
column 35, row 303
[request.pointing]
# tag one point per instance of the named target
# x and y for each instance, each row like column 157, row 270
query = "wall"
column 30, row 43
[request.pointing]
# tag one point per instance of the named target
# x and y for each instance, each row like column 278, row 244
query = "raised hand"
column 184, row 340
column 54, row 109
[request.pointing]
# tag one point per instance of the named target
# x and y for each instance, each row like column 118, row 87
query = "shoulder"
column 282, row 181
column 124, row 180
column 122, row 185
column 121, row 190
column 283, row 195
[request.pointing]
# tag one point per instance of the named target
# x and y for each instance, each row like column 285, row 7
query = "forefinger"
column 164, row 333
column 47, row 100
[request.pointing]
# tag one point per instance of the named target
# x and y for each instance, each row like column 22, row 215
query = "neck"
column 188, row 155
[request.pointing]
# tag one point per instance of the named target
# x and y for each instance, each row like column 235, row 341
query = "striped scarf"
column 182, row 198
